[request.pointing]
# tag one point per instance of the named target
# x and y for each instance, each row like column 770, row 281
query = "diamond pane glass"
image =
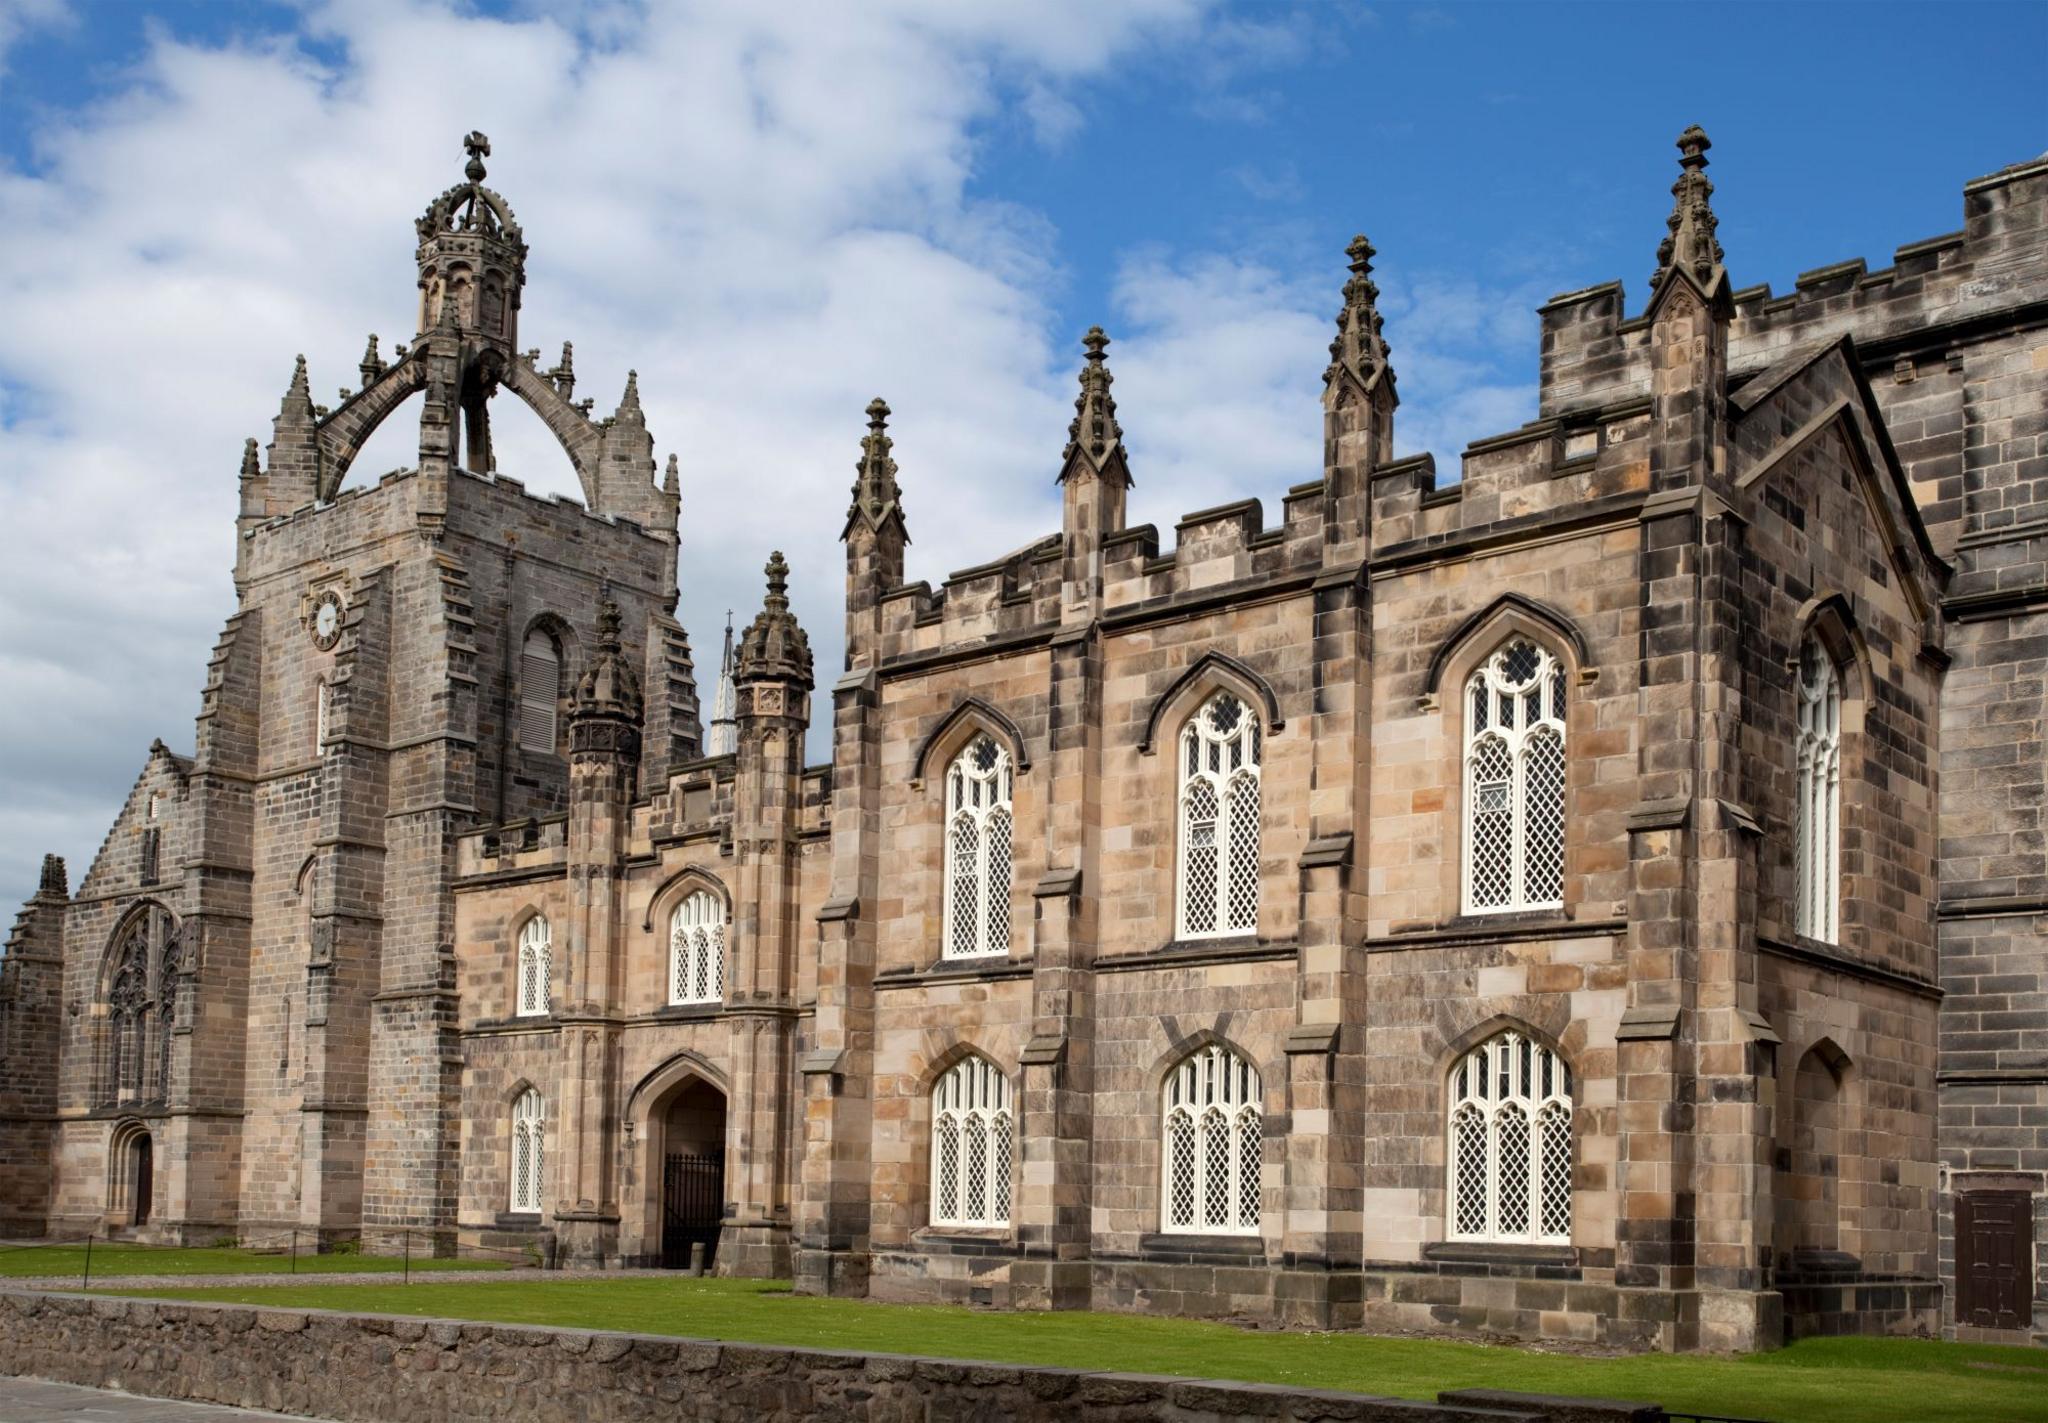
column 1212, row 1145
column 697, row 950
column 971, row 1135
column 996, row 937
column 1217, row 1180
column 1511, row 1147
column 1469, row 1171
column 1243, row 903
column 529, row 1158
column 974, row 1151
column 534, row 953
column 1544, row 766
column 1180, row 1171
column 1510, row 1152
column 999, row 1167
column 1817, row 814
column 1218, row 889
column 1250, row 1159
column 1199, row 860
column 1515, row 781
column 1492, row 835
column 1554, row 1180
column 946, row 1167
column 978, row 852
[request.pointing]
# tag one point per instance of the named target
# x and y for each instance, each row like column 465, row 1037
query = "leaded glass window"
column 1817, row 839
column 536, row 952
column 1514, row 781
column 1218, row 880
column 1509, row 1156
column 529, row 1151
column 1212, row 1146
column 696, row 950
column 971, row 1135
column 978, row 835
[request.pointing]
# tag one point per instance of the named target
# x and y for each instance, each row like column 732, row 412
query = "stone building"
column 1600, row 897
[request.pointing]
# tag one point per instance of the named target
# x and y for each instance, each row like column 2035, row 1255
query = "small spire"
column 298, row 396
column 724, row 701
column 672, row 479
column 609, row 688
column 479, row 148
column 629, row 403
column 372, row 365
column 1691, row 243
column 564, row 373
column 1094, row 436
column 876, row 495
column 300, row 387
column 777, row 570
column 1359, row 347
column 54, row 881
column 250, row 468
column 774, row 646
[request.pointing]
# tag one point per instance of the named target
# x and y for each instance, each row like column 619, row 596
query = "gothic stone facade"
column 1600, row 898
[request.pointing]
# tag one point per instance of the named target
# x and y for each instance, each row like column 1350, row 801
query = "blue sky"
column 774, row 213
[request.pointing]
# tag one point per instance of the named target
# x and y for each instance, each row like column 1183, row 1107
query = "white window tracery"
column 971, row 1135
column 1510, row 1151
column 536, row 955
column 1514, row 780
column 529, row 1151
column 1817, row 838
column 1212, row 1146
column 696, row 950
column 1217, row 887
column 976, row 918
column 540, row 692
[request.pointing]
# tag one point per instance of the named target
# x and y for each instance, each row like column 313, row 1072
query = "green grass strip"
column 23, row 1262
column 1815, row 1381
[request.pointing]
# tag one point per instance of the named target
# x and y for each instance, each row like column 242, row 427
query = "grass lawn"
column 17, row 1262
column 1817, row 1381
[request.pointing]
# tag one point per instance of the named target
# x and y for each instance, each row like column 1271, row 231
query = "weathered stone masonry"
column 401, row 889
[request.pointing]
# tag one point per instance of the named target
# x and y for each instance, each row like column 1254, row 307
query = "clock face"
column 327, row 621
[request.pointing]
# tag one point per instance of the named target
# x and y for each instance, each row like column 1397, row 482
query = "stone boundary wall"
column 380, row 1368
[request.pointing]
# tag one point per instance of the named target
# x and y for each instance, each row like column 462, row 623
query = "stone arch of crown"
column 678, row 887
column 1509, row 613
column 958, row 725
column 344, row 433
column 1211, row 672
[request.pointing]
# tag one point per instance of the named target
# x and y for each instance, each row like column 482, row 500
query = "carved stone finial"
column 672, row 479
column 629, row 403
column 300, row 386
column 250, row 467
column 372, row 365
column 876, row 495
column 774, row 647
column 479, row 148
column 1094, row 439
column 1690, row 244
column 604, row 715
column 777, row 570
column 1360, row 348
column 54, row 884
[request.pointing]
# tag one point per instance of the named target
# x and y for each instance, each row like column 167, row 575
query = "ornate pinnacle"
column 479, row 148
column 250, row 468
column 53, row 885
column 875, row 491
column 777, row 570
column 609, row 688
column 629, row 403
column 1691, row 243
column 1093, row 436
column 372, row 365
column 1359, row 347
column 774, row 646
column 671, row 479
column 564, row 373
column 298, row 396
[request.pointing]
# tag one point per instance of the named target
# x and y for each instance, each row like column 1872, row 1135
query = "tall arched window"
column 540, row 692
column 1213, row 1146
column 529, row 1151
column 971, row 1145
column 1514, row 781
column 323, row 715
column 536, row 951
column 1510, row 1156
column 977, row 903
column 1817, row 841
column 696, row 950
column 1218, row 889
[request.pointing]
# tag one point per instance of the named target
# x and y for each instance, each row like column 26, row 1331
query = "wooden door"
column 1995, row 1259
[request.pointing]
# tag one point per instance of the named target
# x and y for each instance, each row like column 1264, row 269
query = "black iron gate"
column 692, row 1203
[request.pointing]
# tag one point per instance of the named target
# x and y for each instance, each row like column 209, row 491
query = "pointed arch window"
column 1510, row 1149
column 696, row 950
column 971, row 1134
column 1218, row 879
column 1212, row 1146
column 138, row 1013
column 1817, row 838
column 540, row 692
column 978, row 840
column 529, row 1152
column 1514, row 781
column 536, row 965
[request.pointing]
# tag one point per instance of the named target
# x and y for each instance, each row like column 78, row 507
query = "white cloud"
column 765, row 210
column 19, row 17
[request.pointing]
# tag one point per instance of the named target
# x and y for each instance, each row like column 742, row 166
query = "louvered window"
column 529, row 1152
column 540, row 693
column 696, row 950
column 1218, row 879
column 971, row 1136
column 1817, row 843
column 536, row 952
column 1510, row 1148
column 1514, row 781
column 978, row 835
column 1212, row 1146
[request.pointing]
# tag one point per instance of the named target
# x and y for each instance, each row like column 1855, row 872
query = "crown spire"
column 1359, row 348
column 724, row 731
column 478, row 148
column 1690, row 244
column 774, row 646
column 876, row 495
column 609, row 689
column 1095, row 441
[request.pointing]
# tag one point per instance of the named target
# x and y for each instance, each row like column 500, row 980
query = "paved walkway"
column 33, row 1401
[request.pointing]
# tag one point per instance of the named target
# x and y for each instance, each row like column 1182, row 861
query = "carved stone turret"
column 604, row 713
column 1094, row 479
column 1358, row 412
column 1691, row 245
column 875, row 537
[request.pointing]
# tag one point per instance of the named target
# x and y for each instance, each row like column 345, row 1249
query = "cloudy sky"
column 776, row 212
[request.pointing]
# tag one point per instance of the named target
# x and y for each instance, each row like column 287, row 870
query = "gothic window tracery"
column 1212, row 1142
column 978, row 843
column 971, row 1135
column 696, row 950
column 529, row 1152
column 1218, row 879
column 1515, row 780
column 536, row 964
column 139, row 1010
column 1509, row 1157
column 1817, row 837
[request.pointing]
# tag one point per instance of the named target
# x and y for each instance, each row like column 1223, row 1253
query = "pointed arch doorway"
column 691, row 1154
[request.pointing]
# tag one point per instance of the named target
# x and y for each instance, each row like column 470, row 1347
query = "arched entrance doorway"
column 691, row 1153
column 143, row 1173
